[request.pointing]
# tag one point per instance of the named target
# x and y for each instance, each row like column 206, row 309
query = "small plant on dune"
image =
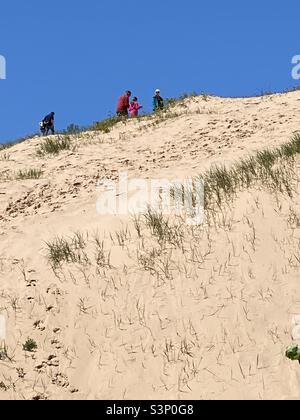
column 147, row 259
column 290, row 149
column 266, row 93
column 79, row 241
column 66, row 251
column 161, row 228
column 5, row 157
column 3, row 354
column 293, row 353
column 294, row 219
column 204, row 96
column 102, row 257
column 3, row 387
column 292, row 89
column 29, row 174
column 73, row 129
column 172, row 102
column 266, row 159
column 30, row 345
column 106, row 125
column 123, row 236
column 157, row 224
column 137, row 225
column 60, row 251
column 54, row 146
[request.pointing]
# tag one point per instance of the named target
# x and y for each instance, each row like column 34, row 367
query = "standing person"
column 48, row 124
column 123, row 104
column 158, row 102
column 134, row 108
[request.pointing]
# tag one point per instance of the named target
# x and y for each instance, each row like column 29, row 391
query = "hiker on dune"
column 124, row 104
column 134, row 108
column 158, row 102
column 48, row 124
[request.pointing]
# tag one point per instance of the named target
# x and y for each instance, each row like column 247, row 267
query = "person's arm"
column 154, row 104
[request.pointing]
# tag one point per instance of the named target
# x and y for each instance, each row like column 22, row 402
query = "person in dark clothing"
column 158, row 102
column 124, row 104
column 48, row 124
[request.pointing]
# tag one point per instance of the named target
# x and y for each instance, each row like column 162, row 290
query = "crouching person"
column 48, row 124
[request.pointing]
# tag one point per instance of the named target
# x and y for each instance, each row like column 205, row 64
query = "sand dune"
column 207, row 319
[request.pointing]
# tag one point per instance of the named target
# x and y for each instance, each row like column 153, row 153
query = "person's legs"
column 49, row 128
column 123, row 114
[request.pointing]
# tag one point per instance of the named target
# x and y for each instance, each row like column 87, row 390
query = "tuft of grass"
column 161, row 228
column 62, row 250
column 54, row 146
column 30, row 345
column 172, row 102
column 29, row 174
column 73, row 129
column 157, row 224
column 102, row 257
column 5, row 157
column 294, row 219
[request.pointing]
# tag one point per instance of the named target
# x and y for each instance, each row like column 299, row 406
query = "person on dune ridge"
column 48, row 124
column 134, row 108
column 123, row 104
column 158, row 102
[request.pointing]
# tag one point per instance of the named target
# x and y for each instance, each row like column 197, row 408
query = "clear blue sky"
column 77, row 57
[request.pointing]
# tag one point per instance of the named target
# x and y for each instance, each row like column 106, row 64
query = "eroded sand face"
column 209, row 318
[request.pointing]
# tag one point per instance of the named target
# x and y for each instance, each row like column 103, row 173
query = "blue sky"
column 76, row 58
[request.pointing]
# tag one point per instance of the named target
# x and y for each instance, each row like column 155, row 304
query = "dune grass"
column 55, row 146
column 71, row 250
column 272, row 169
column 29, row 174
column 30, row 345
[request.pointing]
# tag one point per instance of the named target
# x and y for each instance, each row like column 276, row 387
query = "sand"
column 211, row 321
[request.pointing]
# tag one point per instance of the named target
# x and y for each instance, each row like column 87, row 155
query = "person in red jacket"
column 124, row 104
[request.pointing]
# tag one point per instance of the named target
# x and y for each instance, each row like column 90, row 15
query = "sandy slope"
column 210, row 322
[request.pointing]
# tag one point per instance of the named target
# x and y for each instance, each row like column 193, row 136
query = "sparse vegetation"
column 161, row 228
column 29, row 174
column 5, row 156
column 55, row 146
column 67, row 251
column 106, row 125
column 30, row 345
column 73, row 129
column 270, row 168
